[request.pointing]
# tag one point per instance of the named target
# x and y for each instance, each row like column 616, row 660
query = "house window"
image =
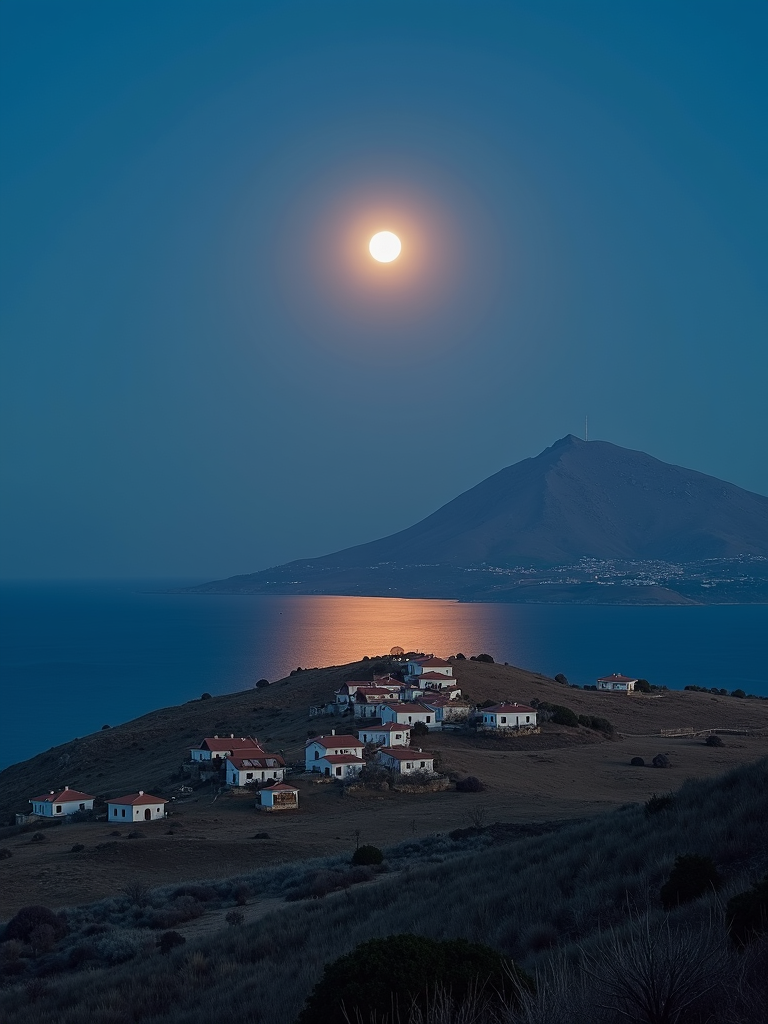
column 82, row 807
column 408, row 764
column 58, row 808
column 338, row 770
column 317, row 755
column 114, row 812
column 429, row 718
column 422, row 764
column 527, row 718
column 123, row 812
column 157, row 809
column 249, row 775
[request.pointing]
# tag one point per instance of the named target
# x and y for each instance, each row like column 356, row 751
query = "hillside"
column 562, row 773
column 575, row 501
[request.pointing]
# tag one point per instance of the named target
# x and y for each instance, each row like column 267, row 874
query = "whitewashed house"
column 391, row 734
column 346, row 693
column 417, row 666
column 222, row 746
column 430, row 683
column 338, row 756
column 407, row 714
column 446, row 709
column 279, row 797
column 509, row 716
column 617, row 683
column 135, row 807
column 244, row 771
column 58, row 803
column 369, row 699
column 405, row 760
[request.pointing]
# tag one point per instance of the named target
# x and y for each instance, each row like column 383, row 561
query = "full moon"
column 384, row 247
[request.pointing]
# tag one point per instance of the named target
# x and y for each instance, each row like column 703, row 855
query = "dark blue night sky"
column 202, row 373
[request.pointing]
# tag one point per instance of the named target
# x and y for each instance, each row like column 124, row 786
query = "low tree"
column 470, row 785
column 713, row 740
column 262, row 683
column 560, row 678
column 365, row 854
column 169, row 941
column 642, row 686
column 486, row 658
column 661, row 761
column 691, row 877
column 387, row 978
column 24, row 923
column 637, row 762
column 738, row 693
column 419, row 729
column 746, row 916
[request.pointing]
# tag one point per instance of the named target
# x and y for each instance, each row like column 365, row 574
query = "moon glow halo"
column 384, row 246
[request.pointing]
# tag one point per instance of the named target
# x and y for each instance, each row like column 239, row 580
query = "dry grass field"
column 561, row 773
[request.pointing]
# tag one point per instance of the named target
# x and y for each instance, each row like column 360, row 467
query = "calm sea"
column 78, row 656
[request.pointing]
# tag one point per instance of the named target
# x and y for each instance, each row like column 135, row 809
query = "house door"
column 147, row 815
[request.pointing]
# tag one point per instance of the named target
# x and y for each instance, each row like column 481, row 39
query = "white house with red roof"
column 368, row 700
column 417, row 666
column 279, row 797
column 509, row 716
column 391, row 734
column 617, row 683
column 58, row 803
column 135, row 807
column 245, row 771
column 405, row 760
column 446, row 709
column 222, row 746
column 407, row 714
column 345, row 694
column 337, row 756
column 415, row 687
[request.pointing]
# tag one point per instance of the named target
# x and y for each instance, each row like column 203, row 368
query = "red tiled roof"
column 507, row 709
column 281, row 787
column 343, row 759
column 617, row 677
column 138, row 798
column 433, row 663
column 407, row 754
column 335, row 741
column 61, row 796
column 230, row 743
column 408, row 708
column 373, row 691
column 438, row 677
column 387, row 727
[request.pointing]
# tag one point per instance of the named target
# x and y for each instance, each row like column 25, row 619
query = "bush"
column 738, row 693
column 367, row 855
column 235, row 918
column 77, row 848
column 560, row 678
column 713, row 740
column 656, row 804
column 29, row 918
column 105, row 727
column 460, row 657
column 746, row 916
column 637, row 762
column 486, row 658
column 561, row 715
column 38, row 837
column 392, row 975
column 419, row 729
column 262, row 683
column 661, row 761
column 643, row 686
column 596, row 723
column 470, row 785
column 690, row 878
column 169, row 941
column 206, row 696
column 5, row 853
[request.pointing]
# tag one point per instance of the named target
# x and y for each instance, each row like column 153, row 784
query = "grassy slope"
column 521, row 897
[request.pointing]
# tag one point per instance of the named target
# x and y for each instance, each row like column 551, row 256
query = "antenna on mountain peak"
column 586, row 428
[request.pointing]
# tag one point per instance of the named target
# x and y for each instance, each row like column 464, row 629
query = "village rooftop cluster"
column 387, row 711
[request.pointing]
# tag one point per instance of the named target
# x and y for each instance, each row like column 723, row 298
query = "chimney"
column 333, row 732
column 231, row 735
column 51, row 792
column 141, row 792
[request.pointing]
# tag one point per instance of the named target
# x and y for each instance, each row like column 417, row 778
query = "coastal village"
column 381, row 722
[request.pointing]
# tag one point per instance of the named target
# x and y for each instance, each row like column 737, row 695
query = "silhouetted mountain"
column 576, row 500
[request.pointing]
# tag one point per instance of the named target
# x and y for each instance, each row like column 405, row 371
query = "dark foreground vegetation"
column 654, row 914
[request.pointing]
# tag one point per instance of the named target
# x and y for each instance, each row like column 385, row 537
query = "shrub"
column 262, row 683
column 169, row 941
column 643, row 686
column 393, row 975
column 5, row 853
column 367, row 855
column 713, row 740
column 561, row 715
column 596, row 723
column 235, row 918
column 460, row 657
column 241, row 893
column 205, row 696
column 485, row 658
column 38, row 837
column 29, row 918
column 661, row 761
column 746, row 916
column 419, row 729
column 470, row 785
column 560, row 678
column 77, row 848
column 738, row 693
column 656, row 804
column 637, row 762
column 691, row 877
column 105, row 727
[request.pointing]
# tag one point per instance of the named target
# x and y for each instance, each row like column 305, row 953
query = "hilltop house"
column 509, row 716
column 389, row 735
column 244, row 771
column 416, row 687
column 346, row 692
column 445, row 708
column 222, row 746
column 407, row 714
column 59, row 803
column 368, row 700
column 279, row 797
column 617, row 683
column 337, row 756
column 431, row 664
column 136, row 807
column 405, row 760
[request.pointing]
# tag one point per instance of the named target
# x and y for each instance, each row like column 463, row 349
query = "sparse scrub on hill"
column 589, row 880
